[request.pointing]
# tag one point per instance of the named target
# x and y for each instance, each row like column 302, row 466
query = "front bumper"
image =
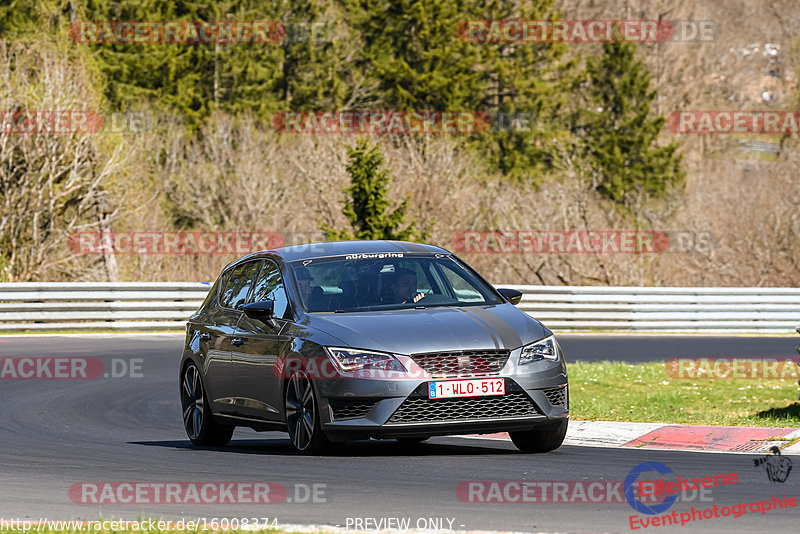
column 354, row 432
column 381, row 408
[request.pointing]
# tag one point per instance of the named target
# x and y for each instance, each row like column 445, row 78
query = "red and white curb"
column 661, row 436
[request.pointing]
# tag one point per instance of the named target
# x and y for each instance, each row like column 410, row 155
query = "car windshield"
column 387, row 281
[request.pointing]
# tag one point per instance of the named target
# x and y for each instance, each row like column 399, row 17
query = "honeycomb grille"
column 351, row 408
column 465, row 363
column 557, row 396
column 424, row 410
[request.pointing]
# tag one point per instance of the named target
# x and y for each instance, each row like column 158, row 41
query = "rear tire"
column 543, row 439
column 198, row 421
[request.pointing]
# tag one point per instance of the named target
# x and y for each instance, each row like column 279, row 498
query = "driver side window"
column 237, row 285
column 269, row 285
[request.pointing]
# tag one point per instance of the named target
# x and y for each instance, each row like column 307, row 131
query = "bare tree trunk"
column 109, row 257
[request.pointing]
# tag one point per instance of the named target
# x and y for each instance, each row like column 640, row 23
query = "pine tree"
column 422, row 59
column 193, row 79
column 413, row 52
column 621, row 133
column 315, row 75
column 525, row 86
column 368, row 207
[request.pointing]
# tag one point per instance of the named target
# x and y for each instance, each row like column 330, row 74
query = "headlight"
column 348, row 360
column 546, row 349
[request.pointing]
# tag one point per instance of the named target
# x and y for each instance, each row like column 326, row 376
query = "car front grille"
column 351, row 408
column 557, row 396
column 462, row 363
column 420, row 409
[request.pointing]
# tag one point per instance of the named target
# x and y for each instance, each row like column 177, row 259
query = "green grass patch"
column 617, row 391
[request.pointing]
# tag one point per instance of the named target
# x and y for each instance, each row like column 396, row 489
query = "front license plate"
column 483, row 387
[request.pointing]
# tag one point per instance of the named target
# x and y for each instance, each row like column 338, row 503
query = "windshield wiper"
column 440, row 305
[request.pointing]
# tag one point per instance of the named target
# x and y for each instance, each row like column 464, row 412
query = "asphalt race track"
column 56, row 433
column 651, row 348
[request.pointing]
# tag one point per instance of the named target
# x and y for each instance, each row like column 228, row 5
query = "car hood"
column 433, row 329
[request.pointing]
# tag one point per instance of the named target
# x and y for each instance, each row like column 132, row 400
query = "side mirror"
column 798, row 349
column 512, row 295
column 263, row 310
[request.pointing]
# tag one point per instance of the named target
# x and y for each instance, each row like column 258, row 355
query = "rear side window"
column 212, row 295
column 237, row 285
column 270, row 286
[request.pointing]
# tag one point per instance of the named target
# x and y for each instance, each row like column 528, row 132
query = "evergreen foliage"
column 622, row 133
column 367, row 208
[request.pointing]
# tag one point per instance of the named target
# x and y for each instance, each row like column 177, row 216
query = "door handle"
column 237, row 341
column 205, row 336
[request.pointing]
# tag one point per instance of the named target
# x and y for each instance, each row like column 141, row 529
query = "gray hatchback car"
column 350, row 340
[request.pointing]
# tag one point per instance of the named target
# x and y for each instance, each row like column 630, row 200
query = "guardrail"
column 663, row 309
column 98, row 305
column 763, row 147
column 120, row 306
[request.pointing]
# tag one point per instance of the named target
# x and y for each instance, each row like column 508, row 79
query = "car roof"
column 341, row 248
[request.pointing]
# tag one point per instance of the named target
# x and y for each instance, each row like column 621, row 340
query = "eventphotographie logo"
column 778, row 467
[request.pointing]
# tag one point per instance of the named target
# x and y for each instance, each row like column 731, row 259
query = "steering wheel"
column 418, row 296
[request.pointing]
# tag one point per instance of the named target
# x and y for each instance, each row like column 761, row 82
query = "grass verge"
column 617, row 391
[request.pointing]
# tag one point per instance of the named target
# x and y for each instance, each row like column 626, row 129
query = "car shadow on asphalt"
column 367, row 448
column 788, row 412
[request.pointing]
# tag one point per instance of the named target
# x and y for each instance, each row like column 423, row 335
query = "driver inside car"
column 404, row 287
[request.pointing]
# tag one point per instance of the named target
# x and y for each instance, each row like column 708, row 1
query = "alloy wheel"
column 300, row 411
column 192, row 402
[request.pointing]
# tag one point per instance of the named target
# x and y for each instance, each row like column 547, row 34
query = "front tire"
column 199, row 423
column 543, row 439
column 302, row 416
